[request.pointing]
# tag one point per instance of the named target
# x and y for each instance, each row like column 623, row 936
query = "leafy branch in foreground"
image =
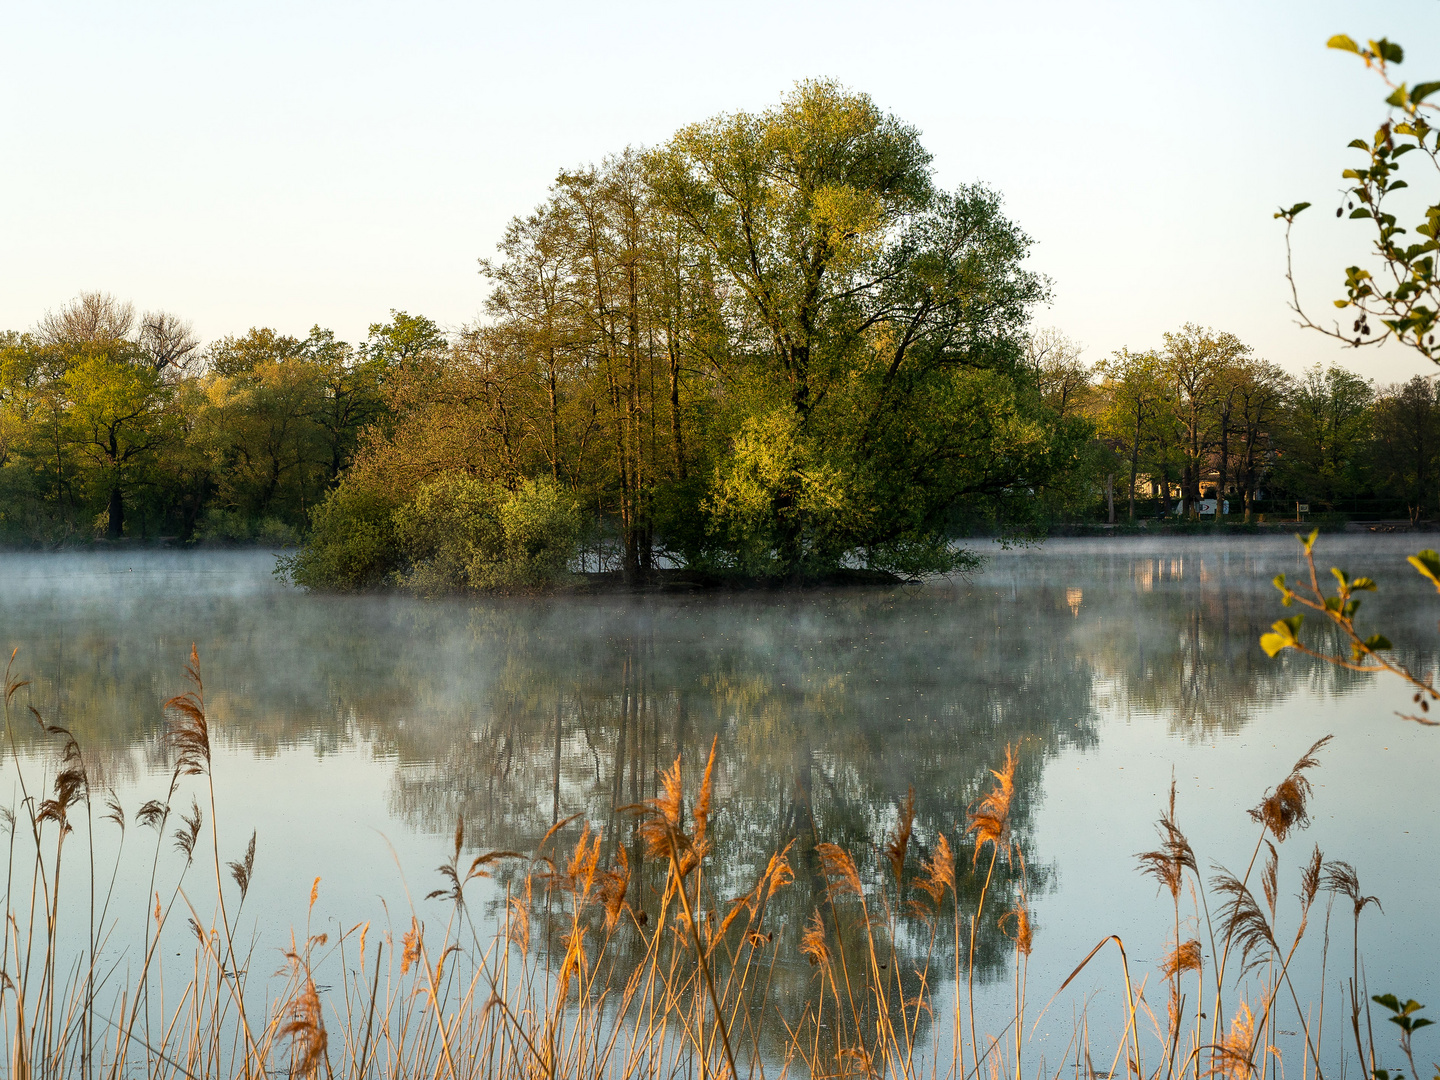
column 1403, row 1016
column 1367, row 654
column 1405, row 296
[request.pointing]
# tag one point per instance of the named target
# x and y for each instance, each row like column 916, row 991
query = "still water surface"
column 351, row 731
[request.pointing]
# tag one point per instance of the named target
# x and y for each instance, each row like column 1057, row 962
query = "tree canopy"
column 771, row 349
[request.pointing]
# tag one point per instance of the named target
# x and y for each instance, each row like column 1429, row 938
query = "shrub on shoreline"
column 457, row 533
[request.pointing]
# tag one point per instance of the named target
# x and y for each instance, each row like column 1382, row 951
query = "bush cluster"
column 457, row 533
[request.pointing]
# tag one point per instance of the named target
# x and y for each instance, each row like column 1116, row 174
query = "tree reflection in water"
column 826, row 707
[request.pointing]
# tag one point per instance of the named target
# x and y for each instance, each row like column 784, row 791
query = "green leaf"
column 1286, row 593
column 1428, row 563
column 1342, row 41
column 1376, row 642
column 1359, row 212
column 1390, row 1001
column 1388, row 51
column 1362, row 583
column 1287, row 214
column 1360, row 144
column 1309, row 541
column 1423, row 90
column 1282, row 635
column 1398, row 97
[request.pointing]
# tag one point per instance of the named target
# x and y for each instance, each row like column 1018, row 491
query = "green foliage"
column 457, row 533
column 1282, row 635
column 1404, row 1015
column 1367, row 654
column 865, row 306
column 1405, row 445
column 221, row 526
column 772, row 504
column 1323, row 440
column 461, row 533
column 352, row 543
column 769, row 348
column 1427, row 562
column 1403, row 296
column 126, row 425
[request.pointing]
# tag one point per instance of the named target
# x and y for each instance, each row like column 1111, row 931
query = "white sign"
column 1304, row 508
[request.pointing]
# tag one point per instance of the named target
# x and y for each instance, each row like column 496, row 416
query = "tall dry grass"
column 595, row 966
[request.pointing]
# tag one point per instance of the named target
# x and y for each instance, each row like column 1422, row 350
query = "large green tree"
column 1197, row 363
column 875, row 330
column 119, row 410
column 1405, row 428
column 1134, row 416
column 1323, row 436
column 770, row 347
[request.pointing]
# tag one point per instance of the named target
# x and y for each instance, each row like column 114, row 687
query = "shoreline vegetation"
column 613, row 954
column 662, row 580
column 771, row 349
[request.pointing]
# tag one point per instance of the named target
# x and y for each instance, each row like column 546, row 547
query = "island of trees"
column 771, row 349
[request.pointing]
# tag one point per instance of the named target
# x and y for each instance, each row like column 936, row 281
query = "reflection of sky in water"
column 346, row 722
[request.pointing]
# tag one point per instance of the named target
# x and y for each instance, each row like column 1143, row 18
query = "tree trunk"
column 1134, row 463
column 1224, row 477
column 634, row 425
column 117, row 513
column 553, row 386
column 1249, row 469
column 675, row 435
column 1110, row 495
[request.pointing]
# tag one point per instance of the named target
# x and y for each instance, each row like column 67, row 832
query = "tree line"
column 1202, row 416
column 113, row 424
column 770, row 348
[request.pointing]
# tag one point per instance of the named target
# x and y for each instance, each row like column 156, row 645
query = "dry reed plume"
column 611, row 953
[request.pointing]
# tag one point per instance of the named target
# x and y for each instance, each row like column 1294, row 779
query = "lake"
column 351, row 732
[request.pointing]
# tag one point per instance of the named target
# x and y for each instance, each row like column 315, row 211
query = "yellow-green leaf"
column 1342, row 41
column 1428, row 563
column 1281, row 636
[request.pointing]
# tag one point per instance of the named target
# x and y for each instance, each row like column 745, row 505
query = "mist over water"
column 348, row 728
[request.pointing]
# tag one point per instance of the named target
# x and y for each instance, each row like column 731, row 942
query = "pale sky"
column 299, row 163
